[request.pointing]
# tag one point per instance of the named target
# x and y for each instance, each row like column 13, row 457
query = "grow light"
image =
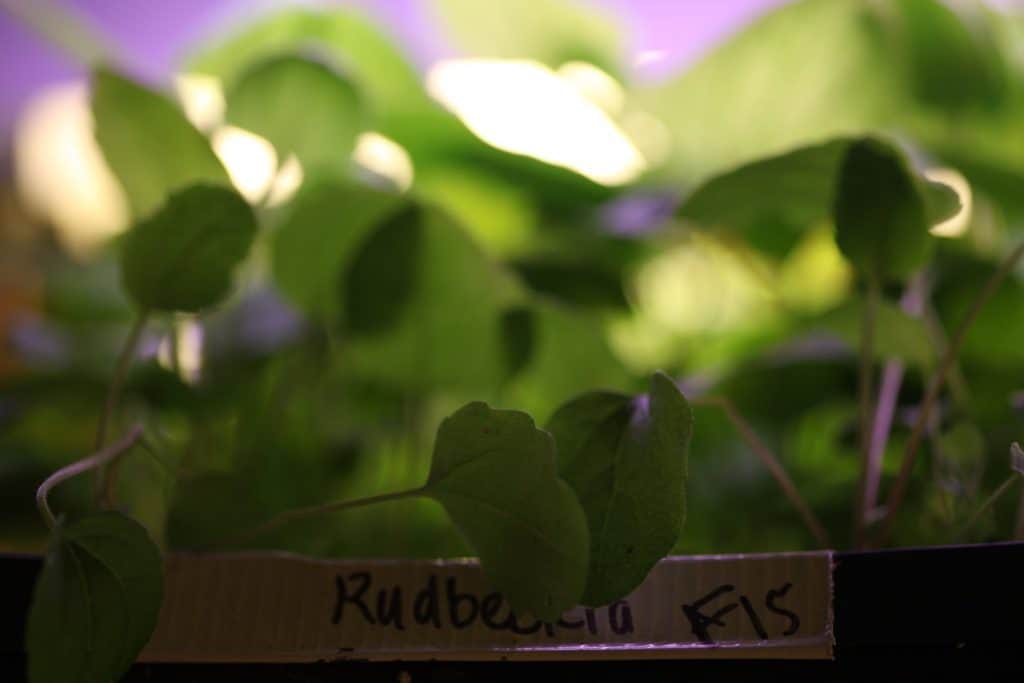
column 523, row 107
column 202, row 99
column 60, row 172
column 958, row 224
column 250, row 160
column 594, row 84
column 385, row 157
column 186, row 353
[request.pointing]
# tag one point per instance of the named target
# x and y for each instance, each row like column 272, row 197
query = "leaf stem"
column 773, row 464
column 864, row 391
column 913, row 304
column 98, row 459
column 899, row 489
column 990, row 501
column 935, row 387
column 885, row 410
column 317, row 510
column 104, row 479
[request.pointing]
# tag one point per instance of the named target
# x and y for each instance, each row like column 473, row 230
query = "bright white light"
column 202, row 98
column 594, row 84
column 250, row 160
column 287, row 181
column 385, row 157
column 650, row 135
column 523, row 107
column 61, row 174
column 957, row 225
column 189, row 342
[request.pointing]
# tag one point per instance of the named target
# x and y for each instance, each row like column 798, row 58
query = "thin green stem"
column 899, row 489
column 104, row 480
column 317, row 510
column 56, row 24
column 773, row 464
column 864, row 391
column 989, row 502
column 98, row 459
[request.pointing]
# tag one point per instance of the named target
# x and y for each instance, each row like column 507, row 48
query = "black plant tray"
column 912, row 613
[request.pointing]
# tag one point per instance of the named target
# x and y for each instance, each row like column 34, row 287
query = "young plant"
column 611, row 467
column 97, row 599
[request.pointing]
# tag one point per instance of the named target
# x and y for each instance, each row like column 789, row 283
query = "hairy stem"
column 98, row 459
column 864, row 391
column 104, row 480
column 773, row 464
column 899, row 490
column 315, row 511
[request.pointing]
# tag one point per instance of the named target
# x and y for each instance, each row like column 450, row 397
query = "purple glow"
column 267, row 322
column 638, row 214
column 682, row 31
column 39, row 343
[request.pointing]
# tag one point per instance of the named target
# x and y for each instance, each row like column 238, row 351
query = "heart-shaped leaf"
column 495, row 474
column 880, row 215
column 149, row 144
column 771, row 202
column 181, row 258
column 96, row 602
column 302, row 107
column 422, row 305
column 626, row 459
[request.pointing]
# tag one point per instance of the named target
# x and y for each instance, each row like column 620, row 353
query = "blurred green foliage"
column 366, row 314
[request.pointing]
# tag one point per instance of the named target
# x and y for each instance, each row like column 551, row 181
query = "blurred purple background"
column 154, row 35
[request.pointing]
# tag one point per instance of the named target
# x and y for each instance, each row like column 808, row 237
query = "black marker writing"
column 769, row 601
column 363, row 579
column 700, row 622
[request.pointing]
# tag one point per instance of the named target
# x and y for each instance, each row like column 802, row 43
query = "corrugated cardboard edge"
column 216, row 603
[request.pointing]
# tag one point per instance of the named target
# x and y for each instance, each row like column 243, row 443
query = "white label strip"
column 282, row 608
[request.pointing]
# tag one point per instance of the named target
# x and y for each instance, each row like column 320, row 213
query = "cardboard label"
column 282, row 608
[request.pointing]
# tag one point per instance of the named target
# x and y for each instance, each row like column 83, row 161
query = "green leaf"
column 302, row 107
column 896, row 334
column 347, row 37
column 880, row 216
column 325, row 225
column 422, row 305
column 96, row 602
column 148, row 143
column 550, row 31
column 517, row 337
column 772, row 202
column 626, row 460
column 181, row 258
column 495, row 474
column 910, row 65
column 770, row 88
column 579, row 283
column 941, row 201
column 560, row 352
column 951, row 62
